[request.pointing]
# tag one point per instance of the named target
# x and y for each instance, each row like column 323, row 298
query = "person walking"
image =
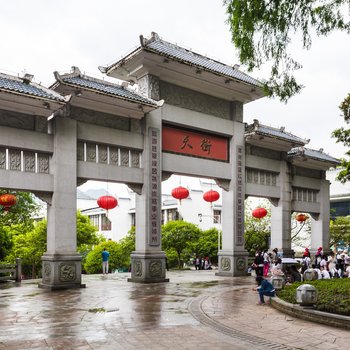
column 105, row 259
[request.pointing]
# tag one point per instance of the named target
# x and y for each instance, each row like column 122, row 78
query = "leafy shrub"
column 333, row 295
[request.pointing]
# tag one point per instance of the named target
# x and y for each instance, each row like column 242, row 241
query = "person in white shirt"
column 318, row 271
column 347, row 271
column 324, row 273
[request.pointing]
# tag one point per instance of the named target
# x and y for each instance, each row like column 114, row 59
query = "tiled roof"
column 264, row 130
column 189, row 57
column 15, row 84
column 106, row 87
column 314, row 154
column 180, row 54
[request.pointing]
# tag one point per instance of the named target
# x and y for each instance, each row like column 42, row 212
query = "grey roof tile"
column 314, row 154
column 189, row 57
column 264, row 130
column 107, row 88
column 15, row 84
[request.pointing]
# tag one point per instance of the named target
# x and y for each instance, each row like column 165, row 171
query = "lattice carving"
column 15, row 160
column 43, row 163
column 29, row 162
column 124, row 157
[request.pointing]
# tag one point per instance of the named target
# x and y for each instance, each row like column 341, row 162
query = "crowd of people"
column 332, row 265
column 202, row 263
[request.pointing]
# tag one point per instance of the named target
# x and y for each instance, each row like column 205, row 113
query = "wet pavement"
column 196, row 309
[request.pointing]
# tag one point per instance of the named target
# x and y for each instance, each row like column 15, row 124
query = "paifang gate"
column 185, row 118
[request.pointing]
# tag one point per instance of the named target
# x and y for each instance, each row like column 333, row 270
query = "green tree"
column 179, row 236
column 343, row 136
column 256, row 231
column 339, row 231
column 207, row 245
column 29, row 246
column 18, row 218
column 262, row 32
column 128, row 246
column 93, row 262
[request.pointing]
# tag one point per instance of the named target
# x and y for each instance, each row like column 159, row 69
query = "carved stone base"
column 232, row 263
column 61, row 271
column 148, row 267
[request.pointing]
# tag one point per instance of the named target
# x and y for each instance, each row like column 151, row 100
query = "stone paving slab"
column 196, row 309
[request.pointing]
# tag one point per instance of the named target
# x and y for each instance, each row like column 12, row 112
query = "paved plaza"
column 195, row 310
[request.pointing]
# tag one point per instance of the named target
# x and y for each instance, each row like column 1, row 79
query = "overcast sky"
column 41, row 36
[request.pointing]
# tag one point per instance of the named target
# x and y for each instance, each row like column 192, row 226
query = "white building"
column 117, row 222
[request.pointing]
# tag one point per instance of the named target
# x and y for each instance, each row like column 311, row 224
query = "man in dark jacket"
column 264, row 288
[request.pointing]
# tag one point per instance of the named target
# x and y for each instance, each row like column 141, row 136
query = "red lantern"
column 301, row 217
column 7, row 201
column 107, row 202
column 211, row 196
column 259, row 213
column 180, row 193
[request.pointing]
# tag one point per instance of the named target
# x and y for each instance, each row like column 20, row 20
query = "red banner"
column 194, row 143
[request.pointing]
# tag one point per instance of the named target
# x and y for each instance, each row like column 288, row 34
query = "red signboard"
column 195, row 144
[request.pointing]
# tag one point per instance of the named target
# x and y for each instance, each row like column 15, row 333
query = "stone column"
column 281, row 213
column 233, row 258
column 320, row 223
column 61, row 262
column 148, row 261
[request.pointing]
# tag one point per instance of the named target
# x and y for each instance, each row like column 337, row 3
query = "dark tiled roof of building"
column 180, row 54
column 314, row 154
column 24, row 86
column 264, row 130
column 105, row 87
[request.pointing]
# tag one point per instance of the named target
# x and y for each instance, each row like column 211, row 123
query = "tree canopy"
column 262, row 31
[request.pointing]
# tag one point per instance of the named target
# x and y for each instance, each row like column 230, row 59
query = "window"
column 106, row 224
column 133, row 219
column 173, row 215
column 94, row 219
column 217, row 217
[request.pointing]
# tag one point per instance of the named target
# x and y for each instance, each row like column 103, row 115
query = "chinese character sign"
column 196, row 144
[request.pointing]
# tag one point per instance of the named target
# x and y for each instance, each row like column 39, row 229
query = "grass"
column 333, row 295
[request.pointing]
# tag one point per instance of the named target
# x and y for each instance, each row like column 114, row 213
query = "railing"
column 11, row 271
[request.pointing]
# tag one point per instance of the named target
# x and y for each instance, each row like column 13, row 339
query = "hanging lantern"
column 301, row 217
column 180, row 193
column 107, row 202
column 259, row 213
column 8, row 200
column 211, row 196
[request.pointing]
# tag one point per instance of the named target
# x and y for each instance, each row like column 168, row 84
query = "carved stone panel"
column 137, row 268
column 29, row 162
column 46, row 272
column 113, row 155
column 135, row 159
column 225, row 264
column 67, row 272
column 43, row 163
column 155, row 268
column 240, row 264
column 193, row 100
column 124, row 157
column 2, row 158
column 15, row 160
column 91, row 152
column 102, row 154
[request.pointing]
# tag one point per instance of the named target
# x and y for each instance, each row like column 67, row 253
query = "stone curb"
column 309, row 314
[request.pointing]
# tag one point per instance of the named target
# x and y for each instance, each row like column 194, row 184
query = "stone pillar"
column 61, row 262
column 320, row 223
column 233, row 258
column 148, row 261
column 281, row 214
